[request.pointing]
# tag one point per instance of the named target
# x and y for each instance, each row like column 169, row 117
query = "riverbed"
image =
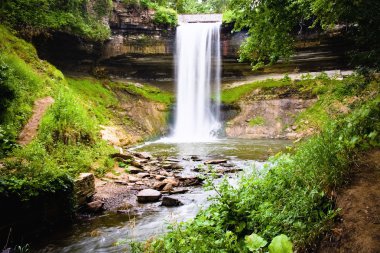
column 112, row 231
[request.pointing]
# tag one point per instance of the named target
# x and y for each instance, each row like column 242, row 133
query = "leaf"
column 254, row 242
column 280, row 244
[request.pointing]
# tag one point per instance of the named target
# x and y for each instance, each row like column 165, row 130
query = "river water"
column 112, row 232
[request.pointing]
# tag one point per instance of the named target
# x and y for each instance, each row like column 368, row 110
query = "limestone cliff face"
column 272, row 118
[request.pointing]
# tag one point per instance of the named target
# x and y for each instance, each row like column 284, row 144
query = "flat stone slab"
column 148, row 195
column 216, row 161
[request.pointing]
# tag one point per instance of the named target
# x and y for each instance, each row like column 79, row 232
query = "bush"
column 165, row 16
column 290, row 196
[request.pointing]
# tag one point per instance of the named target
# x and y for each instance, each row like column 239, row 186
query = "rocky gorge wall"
column 267, row 119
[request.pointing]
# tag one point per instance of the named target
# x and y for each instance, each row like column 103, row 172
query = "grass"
column 307, row 85
column 293, row 196
column 98, row 99
column 256, row 121
column 147, row 91
column 68, row 140
column 233, row 95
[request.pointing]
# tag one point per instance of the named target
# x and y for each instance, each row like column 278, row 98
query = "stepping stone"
column 148, row 195
column 169, row 201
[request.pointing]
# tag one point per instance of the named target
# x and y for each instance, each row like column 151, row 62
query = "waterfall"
column 197, row 62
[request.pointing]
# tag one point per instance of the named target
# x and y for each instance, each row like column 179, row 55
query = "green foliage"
column 23, row 79
column 97, row 98
column 66, row 122
column 254, row 242
column 256, row 121
column 289, row 196
column 281, row 244
column 35, row 16
column 149, row 92
column 273, row 26
column 67, row 142
column 165, row 16
column 234, row 94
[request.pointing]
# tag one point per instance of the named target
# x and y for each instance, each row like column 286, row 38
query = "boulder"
column 195, row 158
column 169, row 201
column 148, row 195
column 143, row 155
column 136, row 164
column 95, row 206
column 124, row 156
column 216, row 161
column 168, row 188
column 143, row 175
column 134, row 170
column 190, row 181
column 160, row 177
column 171, row 180
column 159, row 186
column 84, row 188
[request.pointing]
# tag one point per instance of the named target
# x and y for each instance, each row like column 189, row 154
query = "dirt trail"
column 30, row 129
column 359, row 227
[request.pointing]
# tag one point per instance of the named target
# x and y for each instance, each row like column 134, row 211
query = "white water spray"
column 197, row 79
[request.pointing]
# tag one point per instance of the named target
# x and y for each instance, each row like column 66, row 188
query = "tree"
column 274, row 24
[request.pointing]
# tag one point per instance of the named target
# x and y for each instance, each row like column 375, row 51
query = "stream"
column 112, row 232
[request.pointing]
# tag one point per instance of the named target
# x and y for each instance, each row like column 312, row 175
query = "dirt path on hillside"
column 30, row 129
column 359, row 227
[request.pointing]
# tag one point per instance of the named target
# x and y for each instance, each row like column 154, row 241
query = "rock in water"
column 95, row 206
column 169, row 201
column 216, row 161
column 84, row 188
column 148, row 195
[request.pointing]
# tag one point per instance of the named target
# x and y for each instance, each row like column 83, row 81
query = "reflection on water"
column 243, row 149
column 112, row 232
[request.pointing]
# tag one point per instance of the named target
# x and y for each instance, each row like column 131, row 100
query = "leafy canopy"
column 273, row 26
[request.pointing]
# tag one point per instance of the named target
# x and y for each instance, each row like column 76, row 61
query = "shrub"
column 165, row 16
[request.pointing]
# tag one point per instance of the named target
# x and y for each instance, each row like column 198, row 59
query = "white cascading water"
column 197, row 79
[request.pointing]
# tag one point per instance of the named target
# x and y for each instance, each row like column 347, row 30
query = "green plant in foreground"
column 290, row 196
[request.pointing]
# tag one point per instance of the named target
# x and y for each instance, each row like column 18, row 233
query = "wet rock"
column 228, row 170
column 216, row 161
column 169, row 201
column 190, row 181
column 95, row 206
column 176, row 166
column 134, row 170
column 140, row 183
column 133, row 179
column 195, row 158
column 171, row 180
column 172, row 160
column 143, row 175
column 124, row 156
column 179, row 191
column 227, row 165
column 137, row 164
column 148, row 195
column 168, row 187
column 159, row 186
column 84, row 187
column 160, row 177
column 143, row 155
column 121, row 182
